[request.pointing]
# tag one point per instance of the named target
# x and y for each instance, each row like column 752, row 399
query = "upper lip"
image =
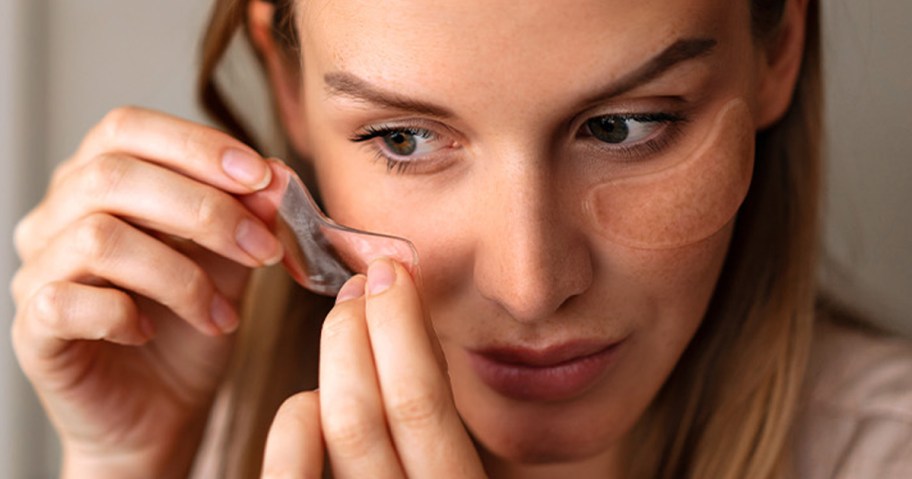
column 548, row 356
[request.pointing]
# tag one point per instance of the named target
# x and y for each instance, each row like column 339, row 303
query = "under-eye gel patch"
column 688, row 201
column 319, row 253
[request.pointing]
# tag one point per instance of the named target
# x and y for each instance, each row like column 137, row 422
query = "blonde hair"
column 727, row 409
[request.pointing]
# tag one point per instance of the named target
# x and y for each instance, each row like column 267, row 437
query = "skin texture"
column 126, row 340
column 688, row 201
column 510, row 254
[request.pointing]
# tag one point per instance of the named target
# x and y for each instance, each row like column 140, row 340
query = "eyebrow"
column 349, row 85
column 679, row 52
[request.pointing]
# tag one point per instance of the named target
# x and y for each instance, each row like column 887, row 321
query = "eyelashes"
column 624, row 137
column 398, row 145
column 649, row 133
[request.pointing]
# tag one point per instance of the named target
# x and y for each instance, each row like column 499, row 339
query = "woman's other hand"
column 132, row 267
column 384, row 407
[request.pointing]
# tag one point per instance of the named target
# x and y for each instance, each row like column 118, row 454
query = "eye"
column 405, row 147
column 403, row 141
column 626, row 129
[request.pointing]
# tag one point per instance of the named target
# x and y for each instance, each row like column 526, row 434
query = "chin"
column 543, row 454
column 539, row 443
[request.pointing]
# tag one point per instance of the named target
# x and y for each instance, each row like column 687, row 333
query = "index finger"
column 197, row 151
column 426, row 429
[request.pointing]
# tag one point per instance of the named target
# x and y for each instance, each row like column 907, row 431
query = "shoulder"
column 855, row 419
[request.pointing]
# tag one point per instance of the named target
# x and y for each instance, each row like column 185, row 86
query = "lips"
column 554, row 373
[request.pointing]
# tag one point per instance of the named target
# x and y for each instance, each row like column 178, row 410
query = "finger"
column 155, row 198
column 351, row 410
column 294, row 446
column 61, row 312
column 425, row 426
column 266, row 202
column 102, row 246
column 194, row 150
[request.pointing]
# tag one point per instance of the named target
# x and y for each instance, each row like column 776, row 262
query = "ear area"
column 283, row 73
column 780, row 63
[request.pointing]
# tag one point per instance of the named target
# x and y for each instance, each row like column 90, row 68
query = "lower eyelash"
column 371, row 132
column 673, row 127
column 392, row 164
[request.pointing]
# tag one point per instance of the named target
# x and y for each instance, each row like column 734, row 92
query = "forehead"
column 465, row 47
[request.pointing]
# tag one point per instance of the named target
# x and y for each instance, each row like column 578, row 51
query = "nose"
column 530, row 258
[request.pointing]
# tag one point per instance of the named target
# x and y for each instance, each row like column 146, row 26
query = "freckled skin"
column 687, row 202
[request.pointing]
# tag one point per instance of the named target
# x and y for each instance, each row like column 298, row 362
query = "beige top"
column 857, row 421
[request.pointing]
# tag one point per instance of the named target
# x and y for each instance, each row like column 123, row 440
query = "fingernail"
column 380, row 276
column 258, row 242
column 353, row 288
column 246, row 168
column 223, row 315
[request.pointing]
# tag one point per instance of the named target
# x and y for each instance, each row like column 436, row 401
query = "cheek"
column 688, row 202
column 662, row 294
column 435, row 220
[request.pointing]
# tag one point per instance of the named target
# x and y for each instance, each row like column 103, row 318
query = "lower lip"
column 551, row 383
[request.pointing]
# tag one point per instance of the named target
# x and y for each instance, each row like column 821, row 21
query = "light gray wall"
column 107, row 53
column 868, row 54
column 22, row 428
column 64, row 63
column 9, row 379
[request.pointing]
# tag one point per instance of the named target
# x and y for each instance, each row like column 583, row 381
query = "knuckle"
column 95, row 236
column 415, row 408
column 349, row 428
column 46, row 305
column 116, row 119
column 22, row 235
column 197, row 142
column 194, row 285
column 103, row 174
column 212, row 209
column 338, row 322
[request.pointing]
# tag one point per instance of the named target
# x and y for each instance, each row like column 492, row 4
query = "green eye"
column 610, row 129
column 402, row 143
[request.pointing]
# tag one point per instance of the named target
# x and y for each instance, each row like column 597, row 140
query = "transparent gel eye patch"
column 688, row 201
column 320, row 254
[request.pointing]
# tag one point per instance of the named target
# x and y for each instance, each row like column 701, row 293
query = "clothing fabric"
column 855, row 421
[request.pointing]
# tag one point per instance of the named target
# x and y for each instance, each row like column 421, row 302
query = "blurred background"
column 64, row 63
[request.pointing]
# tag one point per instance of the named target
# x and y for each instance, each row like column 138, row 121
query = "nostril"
column 536, row 290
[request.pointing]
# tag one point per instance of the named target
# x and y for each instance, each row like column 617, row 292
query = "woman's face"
column 485, row 132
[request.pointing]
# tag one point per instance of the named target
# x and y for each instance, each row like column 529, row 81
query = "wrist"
column 164, row 459
column 126, row 466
